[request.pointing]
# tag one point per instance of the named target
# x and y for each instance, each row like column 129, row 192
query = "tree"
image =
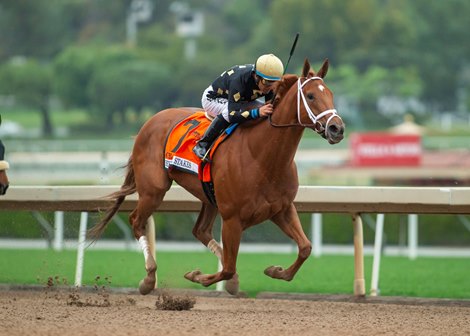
column 35, row 28
column 31, row 84
column 75, row 67
column 129, row 85
column 364, row 89
column 329, row 28
column 442, row 48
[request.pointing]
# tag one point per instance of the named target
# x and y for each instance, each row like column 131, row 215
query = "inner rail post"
column 359, row 283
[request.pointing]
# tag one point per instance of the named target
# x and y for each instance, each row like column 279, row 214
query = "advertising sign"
column 384, row 149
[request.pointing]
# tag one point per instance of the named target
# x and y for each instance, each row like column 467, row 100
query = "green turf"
column 424, row 277
column 28, row 118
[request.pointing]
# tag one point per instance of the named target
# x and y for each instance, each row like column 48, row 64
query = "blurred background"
column 78, row 78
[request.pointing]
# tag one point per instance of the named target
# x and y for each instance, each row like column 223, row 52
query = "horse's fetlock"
column 226, row 275
column 305, row 251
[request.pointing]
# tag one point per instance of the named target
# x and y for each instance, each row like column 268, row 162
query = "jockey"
column 231, row 98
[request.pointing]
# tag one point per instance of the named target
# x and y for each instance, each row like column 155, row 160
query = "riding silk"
column 178, row 149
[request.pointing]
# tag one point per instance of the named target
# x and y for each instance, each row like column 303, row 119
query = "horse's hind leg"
column 146, row 205
column 203, row 232
column 289, row 223
column 152, row 184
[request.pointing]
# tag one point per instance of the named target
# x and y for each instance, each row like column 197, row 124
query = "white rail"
column 310, row 199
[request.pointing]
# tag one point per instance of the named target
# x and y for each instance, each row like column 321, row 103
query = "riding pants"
column 219, row 105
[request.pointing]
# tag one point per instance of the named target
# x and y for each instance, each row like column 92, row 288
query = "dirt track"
column 66, row 312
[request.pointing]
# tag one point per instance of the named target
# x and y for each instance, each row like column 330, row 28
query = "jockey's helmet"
column 269, row 67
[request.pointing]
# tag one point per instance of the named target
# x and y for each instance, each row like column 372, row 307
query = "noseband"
column 314, row 118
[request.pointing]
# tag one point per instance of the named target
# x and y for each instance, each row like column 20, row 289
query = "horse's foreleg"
column 231, row 236
column 231, row 285
column 203, row 232
column 289, row 223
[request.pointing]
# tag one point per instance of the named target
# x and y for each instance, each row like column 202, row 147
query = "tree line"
column 76, row 51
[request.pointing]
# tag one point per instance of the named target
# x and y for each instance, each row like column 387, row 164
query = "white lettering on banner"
column 381, row 150
column 182, row 163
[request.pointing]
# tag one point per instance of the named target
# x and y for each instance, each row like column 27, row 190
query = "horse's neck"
column 286, row 138
column 274, row 146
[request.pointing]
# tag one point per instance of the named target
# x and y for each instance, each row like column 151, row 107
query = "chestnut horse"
column 254, row 175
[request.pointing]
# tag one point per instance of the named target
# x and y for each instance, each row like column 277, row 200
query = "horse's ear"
column 324, row 68
column 306, row 68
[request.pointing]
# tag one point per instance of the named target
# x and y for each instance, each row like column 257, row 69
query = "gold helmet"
column 269, row 67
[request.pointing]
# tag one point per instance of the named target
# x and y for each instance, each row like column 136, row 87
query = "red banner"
column 384, row 149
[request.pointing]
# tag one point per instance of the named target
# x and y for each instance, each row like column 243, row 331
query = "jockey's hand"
column 266, row 110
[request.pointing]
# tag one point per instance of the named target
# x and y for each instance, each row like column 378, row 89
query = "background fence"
column 355, row 201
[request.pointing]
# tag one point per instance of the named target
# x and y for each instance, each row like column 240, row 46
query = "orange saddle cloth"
column 180, row 142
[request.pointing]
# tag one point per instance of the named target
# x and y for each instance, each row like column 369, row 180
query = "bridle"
column 323, row 130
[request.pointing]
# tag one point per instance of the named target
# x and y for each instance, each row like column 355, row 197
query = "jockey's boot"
column 217, row 126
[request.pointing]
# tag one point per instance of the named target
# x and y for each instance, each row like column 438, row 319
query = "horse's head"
column 314, row 102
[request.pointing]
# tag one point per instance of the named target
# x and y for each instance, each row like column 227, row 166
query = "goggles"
column 267, row 82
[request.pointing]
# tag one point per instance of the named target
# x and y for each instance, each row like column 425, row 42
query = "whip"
column 287, row 64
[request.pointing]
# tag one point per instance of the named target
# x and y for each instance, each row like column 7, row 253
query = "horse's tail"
column 127, row 188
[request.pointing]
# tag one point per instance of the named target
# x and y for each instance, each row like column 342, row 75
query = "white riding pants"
column 216, row 106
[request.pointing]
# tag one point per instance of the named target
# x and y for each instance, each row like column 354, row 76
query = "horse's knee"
column 305, row 251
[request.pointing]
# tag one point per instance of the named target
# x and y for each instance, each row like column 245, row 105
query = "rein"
column 314, row 118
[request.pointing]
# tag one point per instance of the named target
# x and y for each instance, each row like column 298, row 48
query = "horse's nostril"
column 333, row 129
column 336, row 130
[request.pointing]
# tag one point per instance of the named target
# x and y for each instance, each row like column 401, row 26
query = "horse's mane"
column 283, row 87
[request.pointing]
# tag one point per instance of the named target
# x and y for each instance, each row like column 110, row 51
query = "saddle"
column 179, row 154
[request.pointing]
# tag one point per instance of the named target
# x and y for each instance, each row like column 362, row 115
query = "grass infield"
column 399, row 276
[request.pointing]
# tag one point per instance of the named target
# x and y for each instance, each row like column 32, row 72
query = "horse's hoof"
column 193, row 276
column 274, row 272
column 145, row 287
column 232, row 286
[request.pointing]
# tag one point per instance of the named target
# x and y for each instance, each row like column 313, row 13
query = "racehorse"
column 3, row 168
column 254, row 175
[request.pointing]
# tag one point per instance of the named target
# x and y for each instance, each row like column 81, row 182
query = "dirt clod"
column 172, row 302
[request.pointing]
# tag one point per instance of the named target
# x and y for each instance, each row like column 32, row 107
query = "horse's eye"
column 310, row 96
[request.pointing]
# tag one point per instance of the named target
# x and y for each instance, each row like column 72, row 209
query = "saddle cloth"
column 180, row 142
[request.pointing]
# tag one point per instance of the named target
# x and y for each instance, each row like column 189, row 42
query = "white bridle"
column 311, row 115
